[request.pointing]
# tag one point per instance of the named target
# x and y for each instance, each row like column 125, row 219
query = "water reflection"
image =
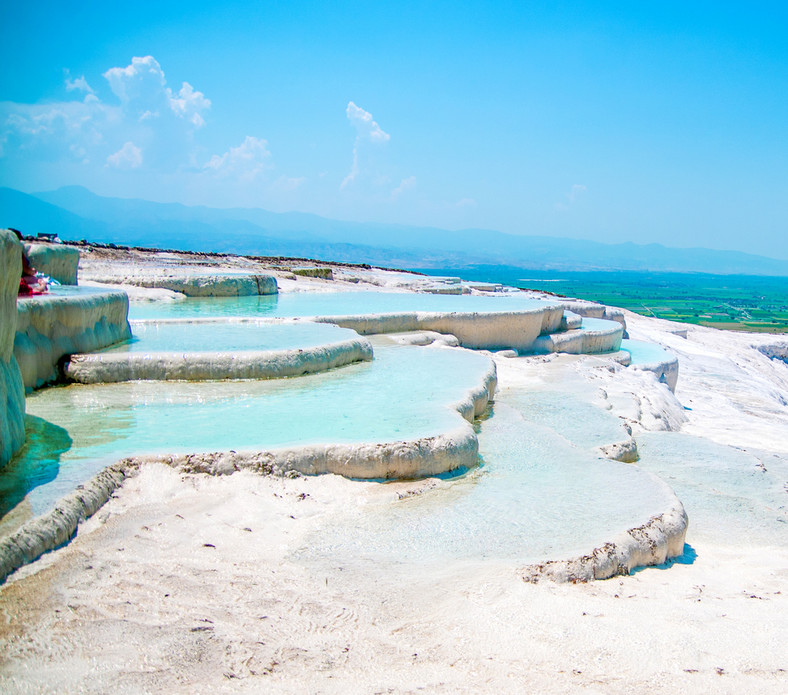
column 37, row 463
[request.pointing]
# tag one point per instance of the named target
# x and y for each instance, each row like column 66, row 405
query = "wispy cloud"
column 367, row 129
column 404, row 185
column 244, row 162
column 127, row 157
column 79, row 84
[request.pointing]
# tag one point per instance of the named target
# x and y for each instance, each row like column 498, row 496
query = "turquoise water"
column 538, row 496
column 592, row 324
column 405, row 393
column 731, row 495
column 646, row 353
column 299, row 304
column 223, row 336
column 584, row 424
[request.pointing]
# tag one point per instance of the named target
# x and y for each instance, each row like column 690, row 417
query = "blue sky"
column 663, row 122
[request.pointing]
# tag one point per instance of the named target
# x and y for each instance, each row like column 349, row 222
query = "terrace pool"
column 404, row 394
column 228, row 336
column 538, row 496
column 729, row 493
column 301, row 304
column 645, row 353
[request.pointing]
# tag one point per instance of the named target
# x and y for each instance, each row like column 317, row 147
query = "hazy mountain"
column 75, row 213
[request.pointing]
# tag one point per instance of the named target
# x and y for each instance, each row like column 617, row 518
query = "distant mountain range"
column 75, row 213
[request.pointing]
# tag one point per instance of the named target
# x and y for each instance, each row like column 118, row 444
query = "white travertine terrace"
column 425, row 456
column 667, row 370
column 50, row 326
column 582, row 341
column 517, row 330
column 658, row 540
column 195, row 284
column 596, row 311
column 12, row 392
column 201, row 366
column 58, row 261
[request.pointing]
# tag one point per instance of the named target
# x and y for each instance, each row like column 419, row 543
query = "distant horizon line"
column 406, row 226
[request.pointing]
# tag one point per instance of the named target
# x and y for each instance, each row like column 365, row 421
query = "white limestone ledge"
column 517, row 330
column 204, row 366
column 667, row 370
column 660, row 539
column 53, row 529
column 196, row 284
column 571, row 320
column 425, row 456
column 12, row 392
column 73, row 320
column 583, row 341
column 593, row 310
column 58, row 261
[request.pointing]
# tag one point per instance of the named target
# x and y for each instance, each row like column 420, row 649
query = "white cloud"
column 127, row 157
column 188, row 103
column 367, row 129
column 244, row 162
column 466, row 203
column 353, row 170
column 404, row 185
column 80, row 84
column 365, row 125
column 142, row 86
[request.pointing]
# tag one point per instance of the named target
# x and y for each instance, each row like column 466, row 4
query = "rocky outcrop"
column 58, row 261
column 12, row 392
column 72, row 320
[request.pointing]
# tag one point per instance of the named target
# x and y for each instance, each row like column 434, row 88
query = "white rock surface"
column 51, row 326
column 58, row 261
column 12, row 393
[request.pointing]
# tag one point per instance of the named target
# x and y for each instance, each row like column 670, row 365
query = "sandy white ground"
column 191, row 584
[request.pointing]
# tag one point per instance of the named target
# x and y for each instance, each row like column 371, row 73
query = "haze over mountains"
column 76, row 213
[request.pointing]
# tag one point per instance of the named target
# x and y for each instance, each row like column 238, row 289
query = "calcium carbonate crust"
column 456, row 448
column 202, row 366
column 197, row 284
column 660, row 539
column 12, row 391
column 48, row 327
column 476, row 330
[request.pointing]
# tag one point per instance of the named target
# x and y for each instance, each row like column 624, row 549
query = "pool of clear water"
column 300, row 304
column 642, row 352
column 538, row 496
column 592, row 324
column 405, row 393
column 202, row 336
column 731, row 495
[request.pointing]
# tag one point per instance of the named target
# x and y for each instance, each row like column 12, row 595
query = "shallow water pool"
column 538, row 496
column 404, row 394
column 731, row 495
column 224, row 336
column 645, row 353
column 300, row 304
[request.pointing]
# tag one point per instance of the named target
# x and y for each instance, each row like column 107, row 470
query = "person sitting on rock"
column 29, row 283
